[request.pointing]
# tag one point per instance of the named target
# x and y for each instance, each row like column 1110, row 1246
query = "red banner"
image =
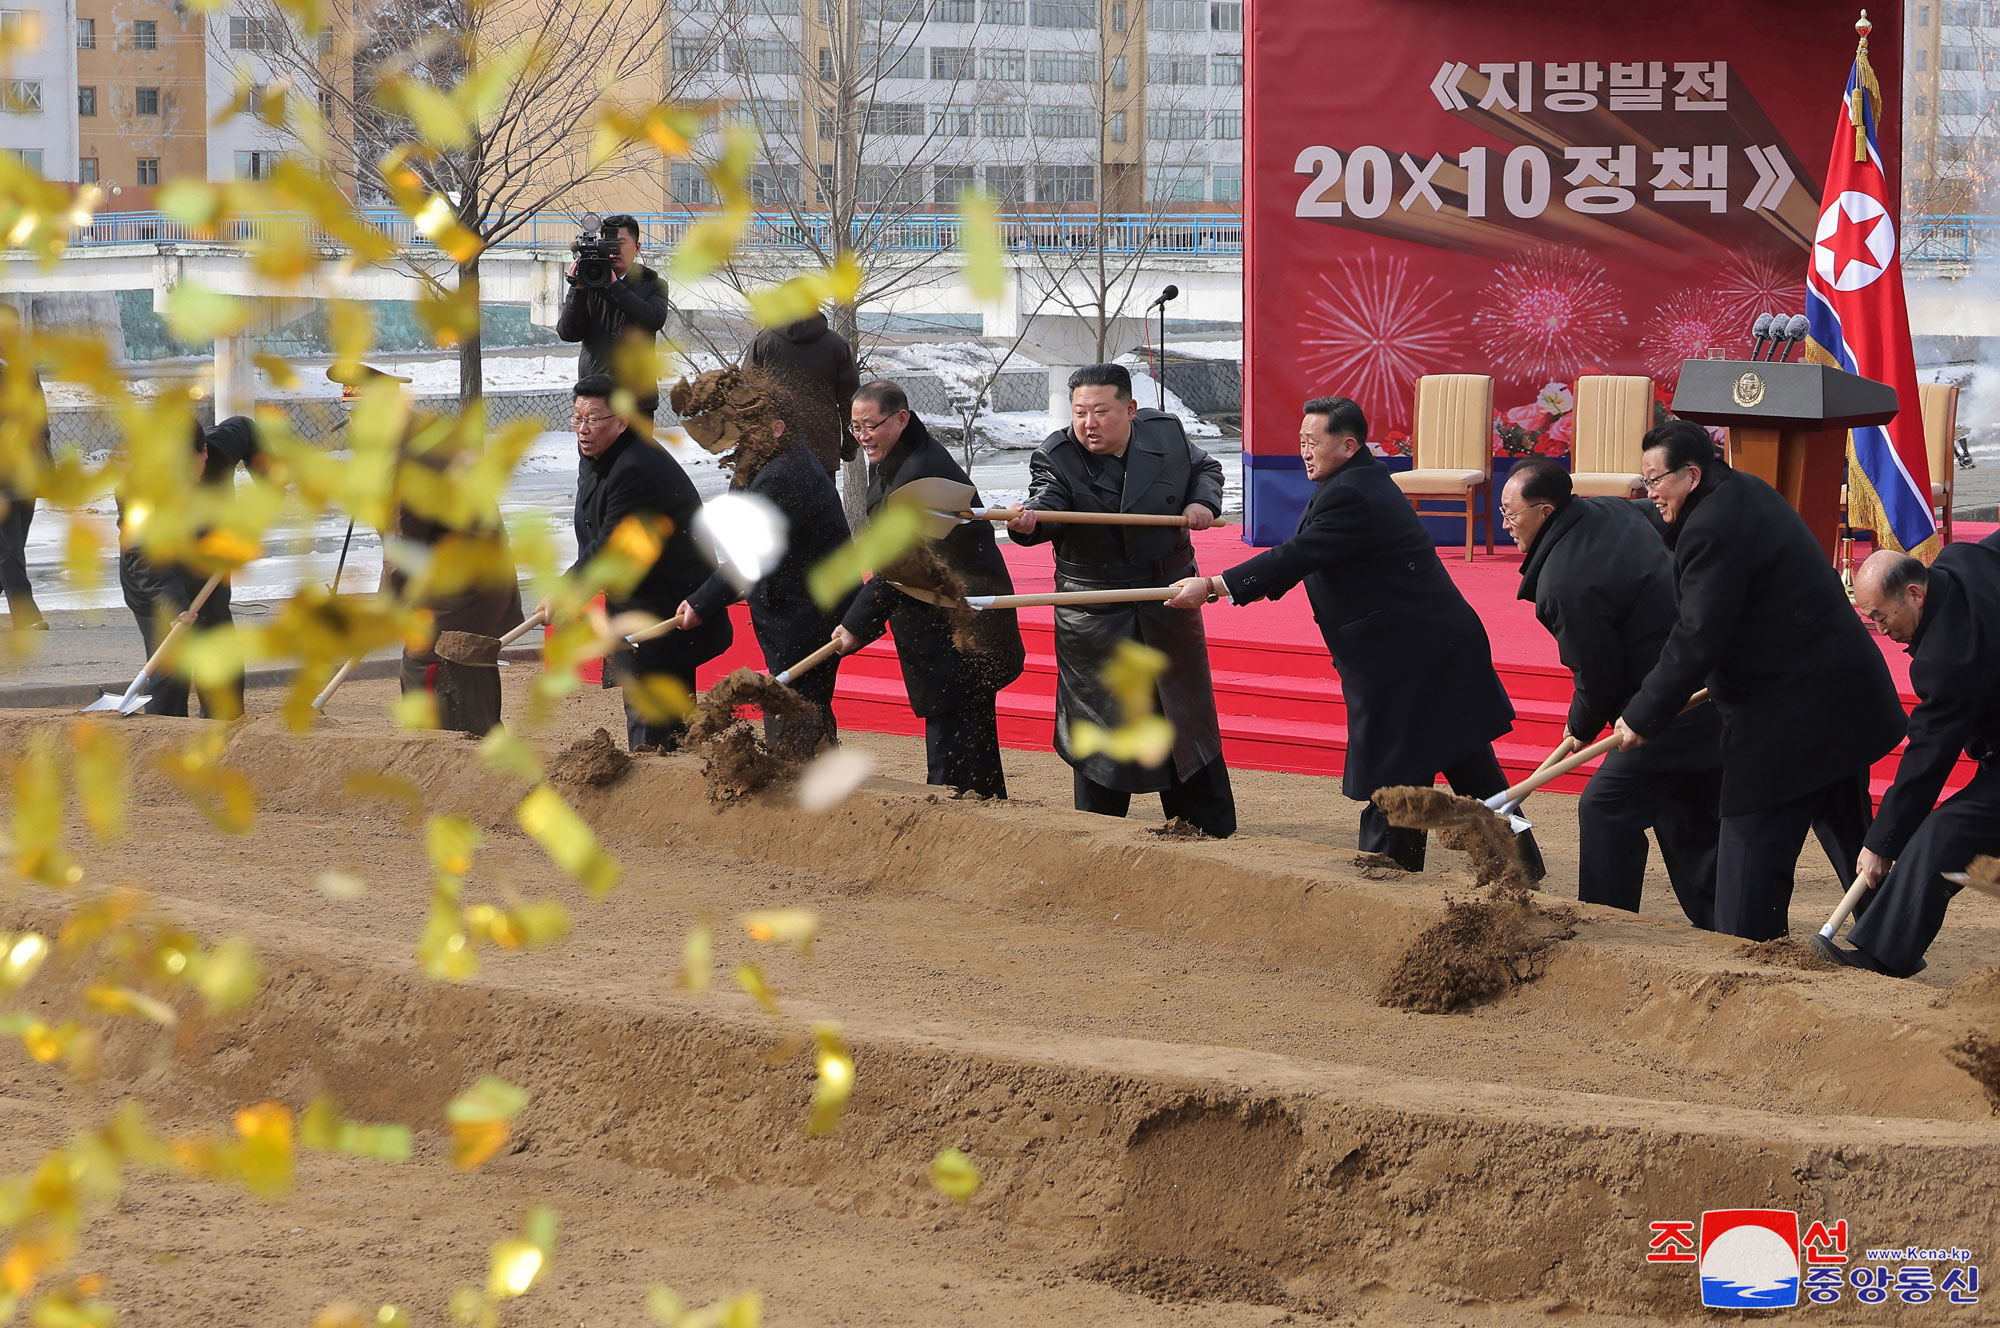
column 1533, row 191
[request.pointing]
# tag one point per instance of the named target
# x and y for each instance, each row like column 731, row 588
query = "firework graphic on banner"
column 1372, row 330
column 1752, row 284
column 1684, row 327
column 1546, row 314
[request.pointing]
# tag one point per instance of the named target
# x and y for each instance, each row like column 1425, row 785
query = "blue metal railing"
column 1945, row 239
column 1164, row 233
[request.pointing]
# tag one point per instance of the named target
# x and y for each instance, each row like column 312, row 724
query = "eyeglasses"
column 1508, row 518
column 1653, row 482
column 868, row 426
column 590, row 421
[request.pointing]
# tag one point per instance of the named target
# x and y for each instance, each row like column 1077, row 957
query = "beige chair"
column 1453, row 448
column 1613, row 412
column 1940, row 404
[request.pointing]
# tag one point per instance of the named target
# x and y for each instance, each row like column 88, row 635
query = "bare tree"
column 529, row 151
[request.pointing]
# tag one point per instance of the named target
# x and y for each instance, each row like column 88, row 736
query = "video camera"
column 594, row 248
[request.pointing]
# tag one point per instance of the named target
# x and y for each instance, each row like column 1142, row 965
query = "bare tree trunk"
column 471, row 381
column 853, row 474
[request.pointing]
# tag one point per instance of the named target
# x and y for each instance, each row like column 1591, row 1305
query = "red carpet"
column 1275, row 689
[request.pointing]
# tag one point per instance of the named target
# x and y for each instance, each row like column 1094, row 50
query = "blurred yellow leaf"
column 370, row 784
column 449, row 842
column 265, row 1134
column 568, row 840
column 277, row 369
column 801, row 296
column 954, row 1176
column 324, row 1129
column 480, row 1117
column 697, row 958
column 835, row 1082
column 979, row 242
column 751, row 979
column 416, row 710
column 438, row 123
column 106, row 999
column 795, row 927
column 20, row 956
column 502, row 751
column 896, row 529
column 197, row 314
column 100, row 770
column 226, row 976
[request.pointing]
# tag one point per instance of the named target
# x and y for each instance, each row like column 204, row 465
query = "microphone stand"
column 1160, row 358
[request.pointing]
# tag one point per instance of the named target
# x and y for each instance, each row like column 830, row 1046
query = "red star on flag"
column 1849, row 242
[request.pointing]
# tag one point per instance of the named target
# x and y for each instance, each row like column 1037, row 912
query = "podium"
column 1788, row 426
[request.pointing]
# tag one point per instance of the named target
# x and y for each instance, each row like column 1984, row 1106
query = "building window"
column 1226, row 182
column 1062, row 13
column 876, row 185
column 778, row 8
column 1954, row 57
column 697, row 56
column 954, row 11
column 146, row 101
column 1002, row 122
column 1179, row 70
column 86, row 170
column 689, row 184
column 895, row 117
column 1923, row 58
column 952, row 62
column 146, row 35
column 1959, row 15
column 1176, row 15
column 1063, row 67
column 1229, row 125
column 760, row 55
column 1923, row 16
column 1181, row 125
column 1119, row 77
column 1178, row 184
column 876, row 61
column 1066, row 184
column 773, row 186
column 86, row 101
column 1118, row 16
column 23, row 96
column 1065, row 122
column 1953, row 102
column 952, row 122
column 1003, row 66
column 892, row 11
column 1226, row 71
column 245, row 34
column 770, row 115
column 255, row 165
column 1007, row 184
column 1225, row 17
column 953, row 183
column 86, row 34
column 1005, row 13
column 1117, row 129
column 29, row 157
column 147, row 171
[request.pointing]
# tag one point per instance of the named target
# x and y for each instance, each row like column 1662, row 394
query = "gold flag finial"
column 1865, row 87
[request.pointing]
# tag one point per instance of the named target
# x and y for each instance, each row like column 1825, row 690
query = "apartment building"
column 1127, row 104
column 1952, row 98
column 38, row 99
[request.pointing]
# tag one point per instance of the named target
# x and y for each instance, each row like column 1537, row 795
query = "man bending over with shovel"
column 1413, row 658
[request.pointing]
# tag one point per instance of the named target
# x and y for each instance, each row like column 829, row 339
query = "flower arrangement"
column 1544, row 425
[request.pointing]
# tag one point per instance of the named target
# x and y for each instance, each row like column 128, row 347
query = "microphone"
column 1169, row 293
column 1796, row 331
column 1761, row 331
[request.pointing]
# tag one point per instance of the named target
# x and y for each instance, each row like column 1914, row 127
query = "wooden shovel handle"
column 812, row 661
column 1584, row 757
column 529, row 624
column 658, row 629
column 333, row 683
column 1848, row 903
column 152, row 664
column 1140, row 595
column 1081, row 518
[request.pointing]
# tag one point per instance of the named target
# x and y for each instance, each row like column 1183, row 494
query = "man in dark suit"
column 1806, row 701
column 1414, row 663
column 951, row 685
column 17, row 499
column 1115, row 457
column 816, row 366
column 771, row 461
column 620, row 475
column 1602, row 582
column 1948, row 617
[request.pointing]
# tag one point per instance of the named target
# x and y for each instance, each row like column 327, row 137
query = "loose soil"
column 1784, row 952
column 737, row 759
column 590, row 762
column 1165, row 1057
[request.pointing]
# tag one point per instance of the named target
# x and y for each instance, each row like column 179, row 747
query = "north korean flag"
column 1859, row 322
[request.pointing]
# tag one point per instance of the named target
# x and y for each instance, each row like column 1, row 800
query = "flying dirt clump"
column 736, row 760
column 1176, row 828
column 1482, row 947
column 923, row 569
column 591, row 762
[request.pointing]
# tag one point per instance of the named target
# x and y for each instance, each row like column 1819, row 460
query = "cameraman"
column 633, row 306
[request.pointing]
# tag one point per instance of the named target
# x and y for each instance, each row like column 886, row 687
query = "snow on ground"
column 1208, row 350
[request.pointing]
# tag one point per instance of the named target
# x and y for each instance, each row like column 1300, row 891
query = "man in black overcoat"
column 951, row 685
column 771, row 461
column 1115, row 457
column 1601, row 581
column 619, row 475
column 1948, row 617
column 1415, row 667
column 1806, row 701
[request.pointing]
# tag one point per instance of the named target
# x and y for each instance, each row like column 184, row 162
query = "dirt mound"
column 737, row 760
column 1176, row 1279
column 1176, row 828
column 1979, row 1056
column 590, row 762
column 1784, row 952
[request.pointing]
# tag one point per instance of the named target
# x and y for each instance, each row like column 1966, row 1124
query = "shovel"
column 946, row 504
column 1852, row 899
column 1137, row 595
column 1517, row 822
column 132, row 702
column 1506, row 800
column 533, row 621
column 658, row 629
column 812, row 661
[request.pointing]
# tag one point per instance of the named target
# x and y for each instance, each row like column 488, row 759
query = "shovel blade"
column 1518, row 823
column 131, row 705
